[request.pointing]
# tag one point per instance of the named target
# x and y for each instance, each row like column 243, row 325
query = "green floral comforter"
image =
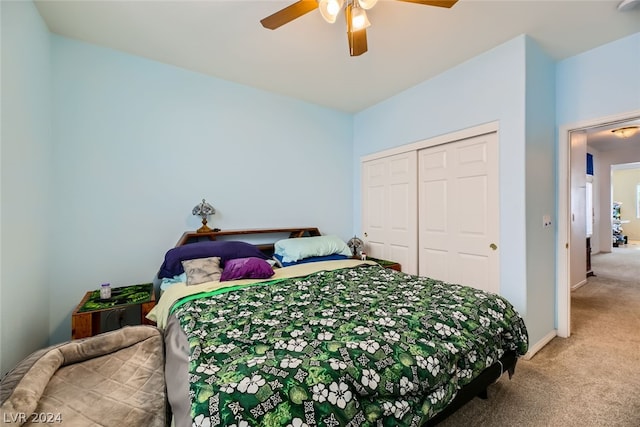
column 351, row 347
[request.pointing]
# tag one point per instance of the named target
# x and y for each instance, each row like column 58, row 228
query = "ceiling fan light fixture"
column 359, row 20
column 626, row 132
column 367, row 4
column 354, row 12
column 625, row 5
column 329, row 9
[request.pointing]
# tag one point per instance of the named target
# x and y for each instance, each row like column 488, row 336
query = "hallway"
column 623, row 263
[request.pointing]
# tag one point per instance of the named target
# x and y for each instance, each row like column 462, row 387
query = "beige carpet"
column 589, row 379
column 623, row 263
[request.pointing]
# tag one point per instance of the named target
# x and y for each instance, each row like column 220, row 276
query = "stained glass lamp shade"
column 203, row 210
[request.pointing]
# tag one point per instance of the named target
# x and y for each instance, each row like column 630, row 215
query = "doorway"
column 625, row 191
column 565, row 214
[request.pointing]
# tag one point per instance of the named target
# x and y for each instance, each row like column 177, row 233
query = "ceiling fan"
column 357, row 21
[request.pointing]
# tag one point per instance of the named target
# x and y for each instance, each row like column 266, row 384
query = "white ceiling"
column 308, row 58
column 601, row 138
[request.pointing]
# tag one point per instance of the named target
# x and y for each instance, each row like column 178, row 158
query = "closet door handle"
column 493, row 246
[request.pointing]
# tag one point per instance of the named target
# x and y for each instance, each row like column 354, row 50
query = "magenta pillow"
column 246, row 268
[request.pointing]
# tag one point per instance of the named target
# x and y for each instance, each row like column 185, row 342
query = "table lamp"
column 203, row 209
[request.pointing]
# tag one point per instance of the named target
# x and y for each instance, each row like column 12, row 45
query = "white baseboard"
column 538, row 346
column 579, row 284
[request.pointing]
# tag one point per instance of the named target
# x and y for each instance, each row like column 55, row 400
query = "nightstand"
column 85, row 319
column 386, row 264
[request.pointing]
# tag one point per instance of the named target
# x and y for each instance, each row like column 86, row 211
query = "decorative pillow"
column 202, row 270
column 331, row 257
column 225, row 250
column 304, row 247
column 246, row 268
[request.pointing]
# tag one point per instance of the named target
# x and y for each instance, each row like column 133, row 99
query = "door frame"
column 436, row 140
column 563, row 286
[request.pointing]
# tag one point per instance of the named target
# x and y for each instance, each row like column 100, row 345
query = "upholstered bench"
column 111, row 379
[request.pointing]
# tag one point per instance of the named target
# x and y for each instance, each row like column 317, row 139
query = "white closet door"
column 577, row 252
column 459, row 212
column 389, row 209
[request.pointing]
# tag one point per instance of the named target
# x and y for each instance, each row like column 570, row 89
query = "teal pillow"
column 304, row 247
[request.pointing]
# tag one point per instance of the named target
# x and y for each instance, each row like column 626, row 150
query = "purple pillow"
column 246, row 268
column 225, row 250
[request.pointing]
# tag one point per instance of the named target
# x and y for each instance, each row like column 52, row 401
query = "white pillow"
column 304, row 247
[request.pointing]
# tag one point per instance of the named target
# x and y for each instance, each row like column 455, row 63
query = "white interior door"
column 389, row 209
column 578, row 224
column 459, row 212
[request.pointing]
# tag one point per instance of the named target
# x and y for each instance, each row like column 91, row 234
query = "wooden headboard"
column 192, row 236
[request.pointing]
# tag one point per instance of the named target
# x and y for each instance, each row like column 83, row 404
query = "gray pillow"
column 202, row 270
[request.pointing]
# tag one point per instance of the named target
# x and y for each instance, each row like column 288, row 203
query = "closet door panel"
column 458, row 212
column 473, row 270
column 433, row 217
column 476, row 174
column 374, row 175
column 389, row 209
column 434, row 264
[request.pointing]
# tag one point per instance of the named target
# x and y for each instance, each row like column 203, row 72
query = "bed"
column 333, row 342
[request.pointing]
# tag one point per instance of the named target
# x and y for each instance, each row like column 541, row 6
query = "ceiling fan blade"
column 439, row 3
column 289, row 13
column 357, row 38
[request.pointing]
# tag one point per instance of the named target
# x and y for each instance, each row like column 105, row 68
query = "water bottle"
column 105, row 291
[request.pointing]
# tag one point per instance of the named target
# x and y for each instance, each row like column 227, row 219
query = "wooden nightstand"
column 387, row 264
column 85, row 319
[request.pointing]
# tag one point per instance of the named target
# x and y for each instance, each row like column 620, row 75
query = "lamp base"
column 204, row 228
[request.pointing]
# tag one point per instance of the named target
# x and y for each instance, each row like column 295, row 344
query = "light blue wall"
column 488, row 88
column 600, row 82
column 540, row 191
column 26, row 202
column 139, row 143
